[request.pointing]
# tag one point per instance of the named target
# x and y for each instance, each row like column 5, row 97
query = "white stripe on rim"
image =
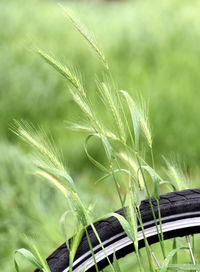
column 100, row 255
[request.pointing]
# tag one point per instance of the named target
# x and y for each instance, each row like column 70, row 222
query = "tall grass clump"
column 127, row 142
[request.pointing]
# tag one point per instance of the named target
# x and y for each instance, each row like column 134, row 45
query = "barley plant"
column 127, row 143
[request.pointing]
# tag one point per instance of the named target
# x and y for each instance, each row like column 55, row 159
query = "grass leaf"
column 125, row 225
column 107, row 148
column 170, row 256
column 28, row 256
column 133, row 166
column 156, row 180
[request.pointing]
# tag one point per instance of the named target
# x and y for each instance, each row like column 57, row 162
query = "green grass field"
column 153, row 51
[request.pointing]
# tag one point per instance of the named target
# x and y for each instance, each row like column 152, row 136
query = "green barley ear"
column 39, row 141
column 87, row 36
column 109, row 98
column 47, row 159
column 176, row 174
column 87, row 110
column 64, row 71
column 77, row 90
column 145, row 125
column 49, row 167
column 90, row 130
column 139, row 119
column 80, row 127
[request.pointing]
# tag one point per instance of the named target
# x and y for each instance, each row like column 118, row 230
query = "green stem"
column 153, row 212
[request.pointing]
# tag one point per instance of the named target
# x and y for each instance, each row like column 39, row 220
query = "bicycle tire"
column 180, row 213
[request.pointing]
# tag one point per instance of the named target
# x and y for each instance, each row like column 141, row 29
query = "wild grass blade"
column 110, row 174
column 92, row 250
column 116, row 263
column 125, row 225
column 91, row 158
column 74, row 246
column 44, row 263
column 133, row 167
column 28, row 256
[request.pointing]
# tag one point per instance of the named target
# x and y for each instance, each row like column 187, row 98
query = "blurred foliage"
column 153, row 50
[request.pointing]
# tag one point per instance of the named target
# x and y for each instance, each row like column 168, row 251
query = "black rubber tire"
column 180, row 209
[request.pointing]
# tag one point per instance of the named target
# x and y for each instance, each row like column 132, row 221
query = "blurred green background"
column 153, row 50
